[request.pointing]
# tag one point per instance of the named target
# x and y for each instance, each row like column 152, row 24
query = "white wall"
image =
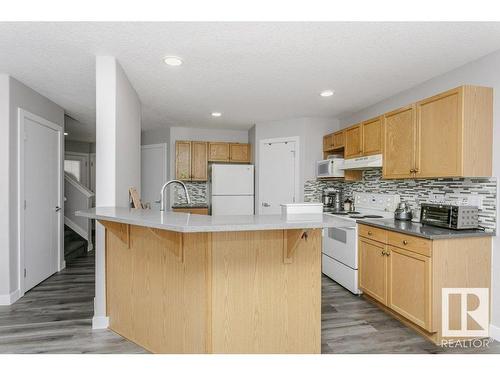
column 484, row 72
column 19, row 96
column 310, row 131
column 5, row 288
column 118, row 156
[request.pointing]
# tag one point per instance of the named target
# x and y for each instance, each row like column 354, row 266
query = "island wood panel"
column 155, row 299
column 262, row 303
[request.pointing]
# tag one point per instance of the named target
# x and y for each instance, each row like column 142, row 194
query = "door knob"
column 57, row 209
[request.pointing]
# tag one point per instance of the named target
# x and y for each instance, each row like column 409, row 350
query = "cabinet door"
column 218, row 151
column 399, row 143
column 239, row 152
column 327, row 142
column 410, row 285
column 338, row 139
column 352, row 148
column 199, row 161
column 373, row 269
column 371, row 135
column 183, row 160
column 439, row 135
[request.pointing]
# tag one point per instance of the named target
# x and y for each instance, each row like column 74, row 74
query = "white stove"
column 340, row 243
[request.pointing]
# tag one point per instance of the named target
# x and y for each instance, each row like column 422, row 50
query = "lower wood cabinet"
column 409, row 286
column 398, row 278
column 373, row 269
column 406, row 274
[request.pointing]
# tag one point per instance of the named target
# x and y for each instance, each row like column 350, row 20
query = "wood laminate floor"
column 56, row 317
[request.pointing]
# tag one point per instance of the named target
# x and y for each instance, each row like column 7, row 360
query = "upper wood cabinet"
column 353, row 146
column 327, row 142
column 229, row 152
column 447, row 135
column 191, row 162
column 455, row 133
column 239, row 153
column 183, row 160
column 399, row 143
column 338, row 139
column 333, row 141
column 199, row 161
column 371, row 136
column 218, row 151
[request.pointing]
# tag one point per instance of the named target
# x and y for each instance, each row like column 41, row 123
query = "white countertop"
column 190, row 223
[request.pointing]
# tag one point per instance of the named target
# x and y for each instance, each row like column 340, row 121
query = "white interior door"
column 153, row 173
column 278, row 171
column 77, row 165
column 40, row 184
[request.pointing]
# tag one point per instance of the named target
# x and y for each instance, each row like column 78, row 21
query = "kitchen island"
column 182, row 283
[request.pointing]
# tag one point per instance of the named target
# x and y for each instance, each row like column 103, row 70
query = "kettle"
column 403, row 212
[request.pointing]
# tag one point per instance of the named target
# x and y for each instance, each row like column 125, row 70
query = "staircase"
column 76, row 228
column 74, row 245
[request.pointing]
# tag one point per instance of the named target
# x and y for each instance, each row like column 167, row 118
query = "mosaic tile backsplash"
column 415, row 192
column 197, row 192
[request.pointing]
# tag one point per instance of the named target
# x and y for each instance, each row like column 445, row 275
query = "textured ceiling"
column 251, row 72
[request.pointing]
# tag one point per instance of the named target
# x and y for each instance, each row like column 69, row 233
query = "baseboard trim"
column 495, row 332
column 9, row 299
column 100, row 322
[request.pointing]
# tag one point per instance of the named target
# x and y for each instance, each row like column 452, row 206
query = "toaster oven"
column 450, row 216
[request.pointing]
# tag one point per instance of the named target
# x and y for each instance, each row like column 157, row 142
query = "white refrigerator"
column 232, row 189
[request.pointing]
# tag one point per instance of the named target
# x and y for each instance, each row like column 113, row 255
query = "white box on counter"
column 302, row 211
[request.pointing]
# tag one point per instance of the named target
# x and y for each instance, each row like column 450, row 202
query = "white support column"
column 118, row 158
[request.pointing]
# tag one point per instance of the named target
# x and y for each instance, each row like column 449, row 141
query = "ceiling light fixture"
column 326, row 93
column 66, row 133
column 216, row 114
column 172, row 60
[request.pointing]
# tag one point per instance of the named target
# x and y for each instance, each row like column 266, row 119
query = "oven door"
column 339, row 243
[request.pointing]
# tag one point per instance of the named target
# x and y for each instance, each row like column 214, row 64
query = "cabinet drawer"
column 411, row 243
column 373, row 233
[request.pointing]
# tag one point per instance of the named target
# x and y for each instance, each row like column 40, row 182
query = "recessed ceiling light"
column 172, row 60
column 66, row 133
column 326, row 93
column 216, row 114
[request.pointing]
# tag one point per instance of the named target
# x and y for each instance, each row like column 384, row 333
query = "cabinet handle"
column 370, row 233
column 383, row 252
column 388, row 253
column 412, row 170
column 415, row 170
column 405, row 242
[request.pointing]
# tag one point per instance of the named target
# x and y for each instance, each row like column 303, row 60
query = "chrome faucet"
column 164, row 187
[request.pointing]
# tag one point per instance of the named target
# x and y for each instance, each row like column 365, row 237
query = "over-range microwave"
column 330, row 168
